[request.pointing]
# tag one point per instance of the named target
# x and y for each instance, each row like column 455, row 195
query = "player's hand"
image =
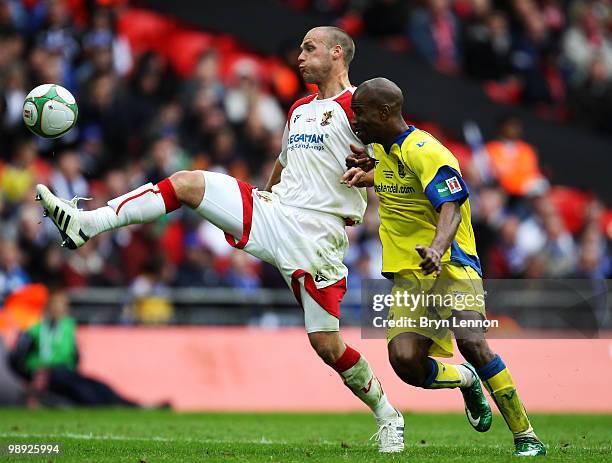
column 355, row 176
column 359, row 158
column 431, row 260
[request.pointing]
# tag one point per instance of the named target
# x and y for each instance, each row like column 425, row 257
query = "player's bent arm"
column 446, row 229
column 274, row 176
column 448, row 223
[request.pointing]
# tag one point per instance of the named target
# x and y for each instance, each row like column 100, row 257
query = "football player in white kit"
column 296, row 223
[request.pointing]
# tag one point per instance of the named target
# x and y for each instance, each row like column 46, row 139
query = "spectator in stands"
column 587, row 40
column 197, row 269
column 242, row 272
column 165, row 157
column 138, row 120
column 92, row 153
column 559, row 250
column 102, row 32
column 532, row 51
column 514, row 161
column 14, row 94
column 67, row 178
column 507, row 259
column 487, row 43
column 151, row 86
column 531, row 234
column 245, row 101
column 205, row 84
column 18, row 177
column 12, row 275
column 48, row 269
column 104, row 105
column 488, row 216
column 84, row 268
column 594, row 259
column 591, row 101
column 46, row 356
column 149, row 295
column 435, row 34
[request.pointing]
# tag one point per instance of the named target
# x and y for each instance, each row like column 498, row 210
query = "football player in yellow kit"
column 429, row 248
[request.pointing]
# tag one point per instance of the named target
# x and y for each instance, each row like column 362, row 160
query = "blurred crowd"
column 554, row 55
column 192, row 100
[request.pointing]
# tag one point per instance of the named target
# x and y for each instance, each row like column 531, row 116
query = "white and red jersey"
column 316, row 142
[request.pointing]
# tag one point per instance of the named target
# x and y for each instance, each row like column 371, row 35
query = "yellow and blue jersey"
column 412, row 181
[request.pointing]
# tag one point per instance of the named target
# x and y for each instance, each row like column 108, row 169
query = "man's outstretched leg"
column 142, row 205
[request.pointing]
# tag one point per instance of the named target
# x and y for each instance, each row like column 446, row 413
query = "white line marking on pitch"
column 114, row 437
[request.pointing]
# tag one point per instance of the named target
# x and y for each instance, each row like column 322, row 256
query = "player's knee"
column 189, row 187
column 475, row 351
column 182, row 181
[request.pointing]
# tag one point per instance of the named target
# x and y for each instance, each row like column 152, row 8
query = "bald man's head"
column 380, row 92
column 377, row 109
column 334, row 36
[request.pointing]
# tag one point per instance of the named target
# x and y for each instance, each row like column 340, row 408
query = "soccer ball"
column 50, row 111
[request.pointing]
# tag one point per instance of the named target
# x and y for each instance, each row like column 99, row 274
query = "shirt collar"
column 402, row 136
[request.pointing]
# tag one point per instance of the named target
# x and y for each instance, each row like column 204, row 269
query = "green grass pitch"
column 137, row 436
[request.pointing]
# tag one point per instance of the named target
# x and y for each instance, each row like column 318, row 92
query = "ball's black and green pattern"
column 50, row 111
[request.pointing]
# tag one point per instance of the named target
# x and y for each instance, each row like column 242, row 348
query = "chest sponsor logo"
column 307, row 141
column 326, row 119
column 394, row 188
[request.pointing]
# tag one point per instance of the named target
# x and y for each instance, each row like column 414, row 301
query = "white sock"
column 467, row 377
column 384, row 409
column 361, row 380
column 142, row 205
column 99, row 220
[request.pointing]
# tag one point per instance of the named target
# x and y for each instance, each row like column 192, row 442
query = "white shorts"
column 307, row 247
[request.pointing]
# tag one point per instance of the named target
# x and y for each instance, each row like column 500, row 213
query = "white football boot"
column 65, row 216
column 390, row 434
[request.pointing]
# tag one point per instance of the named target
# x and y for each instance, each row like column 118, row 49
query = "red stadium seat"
column 462, row 153
column 571, row 204
column 183, row 48
column 144, row 30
